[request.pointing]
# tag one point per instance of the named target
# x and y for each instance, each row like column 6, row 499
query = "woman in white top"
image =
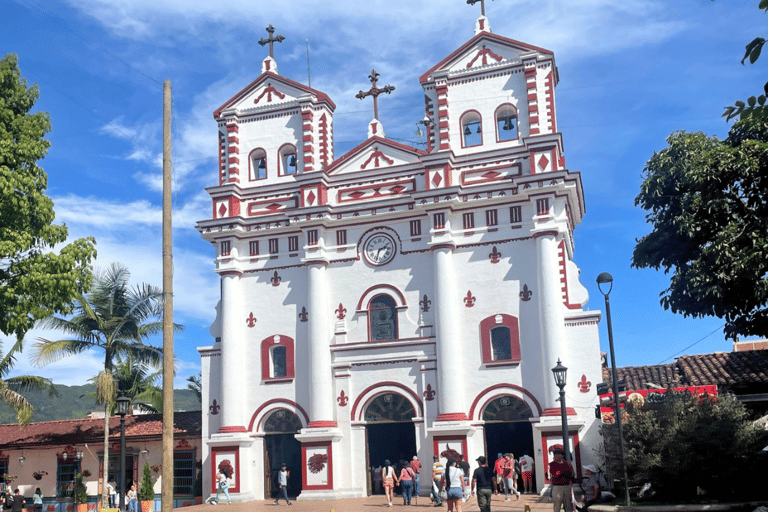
column 453, row 479
column 390, row 479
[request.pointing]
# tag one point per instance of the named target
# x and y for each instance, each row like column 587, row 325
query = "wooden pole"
column 166, row 497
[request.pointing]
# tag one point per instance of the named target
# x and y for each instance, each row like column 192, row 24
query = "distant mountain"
column 73, row 404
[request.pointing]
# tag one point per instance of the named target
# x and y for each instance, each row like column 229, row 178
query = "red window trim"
column 266, row 360
column 489, row 323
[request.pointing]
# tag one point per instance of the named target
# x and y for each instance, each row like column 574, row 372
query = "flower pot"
column 198, row 500
column 147, row 505
column 82, row 507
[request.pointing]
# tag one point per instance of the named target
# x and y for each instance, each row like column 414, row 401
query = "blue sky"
column 631, row 72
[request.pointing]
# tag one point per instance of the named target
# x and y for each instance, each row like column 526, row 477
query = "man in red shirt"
column 416, row 468
column 561, row 478
column 498, row 480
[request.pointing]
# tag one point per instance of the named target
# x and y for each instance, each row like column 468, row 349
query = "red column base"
column 322, row 424
column 555, row 411
column 229, row 430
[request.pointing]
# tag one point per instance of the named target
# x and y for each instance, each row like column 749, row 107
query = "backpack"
column 9, row 501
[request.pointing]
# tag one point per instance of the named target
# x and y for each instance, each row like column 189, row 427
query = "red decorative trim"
column 305, row 466
column 452, row 416
column 378, row 289
column 267, row 344
column 472, row 43
column 555, row 411
column 501, row 386
column 183, row 445
column 218, row 449
column 550, row 232
column 365, row 145
column 276, row 401
column 363, row 396
column 484, row 53
column 322, row 424
column 511, row 323
column 442, row 246
column 228, row 430
column 564, row 276
column 321, row 97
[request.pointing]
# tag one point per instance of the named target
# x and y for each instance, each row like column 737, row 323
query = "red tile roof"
column 66, row 432
column 730, row 371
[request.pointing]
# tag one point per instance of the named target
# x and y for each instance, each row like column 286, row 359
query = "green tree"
column 35, row 281
column 708, row 203
column 11, row 388
column 112, row 318
column 682, row 443
column 195, row 384
column 139, row 382
column 755, row 105
column 147, row 490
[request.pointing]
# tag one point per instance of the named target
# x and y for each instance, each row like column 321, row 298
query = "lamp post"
column 607, row 279
column 121, row 408
column 559, row 371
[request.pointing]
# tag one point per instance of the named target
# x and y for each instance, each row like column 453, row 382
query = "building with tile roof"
column 49, row 454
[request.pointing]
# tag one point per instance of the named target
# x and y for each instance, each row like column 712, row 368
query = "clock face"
column 379, row 249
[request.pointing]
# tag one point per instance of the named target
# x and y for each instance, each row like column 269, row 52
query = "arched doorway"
column 280, row 446
column 507, row 427
column 390, row 433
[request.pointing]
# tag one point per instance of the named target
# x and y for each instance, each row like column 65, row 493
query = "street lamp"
column 121, row 408
column 606, row 279
column 559, row 371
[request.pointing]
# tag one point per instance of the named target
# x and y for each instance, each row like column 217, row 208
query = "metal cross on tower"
column 482, row 5
column 271, row 40
column 375, row 91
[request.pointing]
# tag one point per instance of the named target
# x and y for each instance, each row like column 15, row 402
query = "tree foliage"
column 11, row 389
column 35, row 281
column 147, row 490
column 112, row 318
column 684, row 445
column 755, row 106
column 707, row 203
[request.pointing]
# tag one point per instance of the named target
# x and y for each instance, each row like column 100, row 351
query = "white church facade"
column 393, row 301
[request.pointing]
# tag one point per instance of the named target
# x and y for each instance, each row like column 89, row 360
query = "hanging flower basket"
column 8, row 478
column 38, row 475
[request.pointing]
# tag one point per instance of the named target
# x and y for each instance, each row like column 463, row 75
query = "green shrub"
column 147, row 490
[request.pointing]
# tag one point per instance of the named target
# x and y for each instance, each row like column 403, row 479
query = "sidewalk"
column 373, row 503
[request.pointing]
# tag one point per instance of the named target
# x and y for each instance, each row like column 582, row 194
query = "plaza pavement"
column 374, row 503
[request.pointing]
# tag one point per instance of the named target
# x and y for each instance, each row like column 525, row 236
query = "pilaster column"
column 450, row 376
column 551, row 318
column 232, row 352
column 320, row 376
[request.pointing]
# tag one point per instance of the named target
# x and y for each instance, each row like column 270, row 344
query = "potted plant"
column 147, row 490
column 81, row 495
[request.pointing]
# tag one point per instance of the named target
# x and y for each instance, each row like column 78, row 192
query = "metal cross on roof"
column 482, row 5
column 375, row 91
column 271, row 40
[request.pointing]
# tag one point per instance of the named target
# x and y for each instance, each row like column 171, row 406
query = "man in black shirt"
column 481, row 484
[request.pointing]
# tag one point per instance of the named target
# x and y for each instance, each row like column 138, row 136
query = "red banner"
column 641, row 395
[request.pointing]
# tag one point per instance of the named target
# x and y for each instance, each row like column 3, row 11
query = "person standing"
column 112, row 488
column 18, row 501
column 482, row 484
column 464, row 465
column 498, row 466
column 377, row 481
column 453, row 479
column 282, row 484
column 37, row 500
column 407, row 477
column 133, row 504
column 390, row 479
column 437, row 476
column 561, row 477
column 526, row 469
column 416, row 468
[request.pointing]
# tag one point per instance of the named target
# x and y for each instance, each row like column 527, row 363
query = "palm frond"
column 24, row 383
column 17, row 402
column 47, row 351
column 106, row 387
column 9, row 359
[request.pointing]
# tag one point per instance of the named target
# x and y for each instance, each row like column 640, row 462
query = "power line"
column 691, row 345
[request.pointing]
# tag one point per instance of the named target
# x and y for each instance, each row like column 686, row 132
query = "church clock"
column 379, row 249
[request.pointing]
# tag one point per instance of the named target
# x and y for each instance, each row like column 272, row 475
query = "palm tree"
column 11, row 388
column 116, row 319
column 139, row 382
column 195, row 384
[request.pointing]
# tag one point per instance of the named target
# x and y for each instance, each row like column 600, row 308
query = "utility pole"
column 166, row 496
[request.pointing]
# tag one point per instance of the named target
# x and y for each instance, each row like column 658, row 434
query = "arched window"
column 501, row 350
column 471, row 129
column 257, row 165
column 287, row 159
column 277, row 359
column 500, row 340
column 506, row 123
column 382, row 318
